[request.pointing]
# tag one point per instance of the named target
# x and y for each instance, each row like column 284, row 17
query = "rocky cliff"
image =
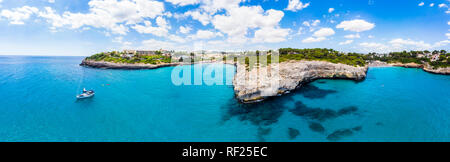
column 257, row 84
column 445, row 71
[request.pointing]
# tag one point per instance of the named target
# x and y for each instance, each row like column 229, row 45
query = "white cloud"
column 208, row 8
column 370, row 36
column 432, row 4
column 443, row 5
column 330, row 10
column 315, row 23
column 356, row 25
column 17, row 16
column 352, row 36
column 153, row 44
column 448, row 35
column 205, row 34
column 313, row 39
column 400, row 44
column 448, row 23
column 319, row 35
column 421, row 4
column 306, row 23
column 183, row 2
column 374, row 47
column 162, row 28
column 296, row 5
column 346, row 42
column 441, row 43
column 120, row 41
column 51, row 1
column 177, row 39
column 324, row 32
column 117, row 40
column 113, row 15
column 185, row 30
column 213, row 6
column 300, row 31
column 237, row 22
column 271, row 35
column 203, row 17
column 311, row 24
column 408, row 44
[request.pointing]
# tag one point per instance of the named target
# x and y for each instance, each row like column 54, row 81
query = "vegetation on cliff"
column 322, row 54
column 121, row 57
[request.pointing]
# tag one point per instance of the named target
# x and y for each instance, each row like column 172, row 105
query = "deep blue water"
column 38, row 104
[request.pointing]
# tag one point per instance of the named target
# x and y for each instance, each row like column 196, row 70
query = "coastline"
column 293, row 75
column 110, row 65
column 120, row 66
column 426, row 67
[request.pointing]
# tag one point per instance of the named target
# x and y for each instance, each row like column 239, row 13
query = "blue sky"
column 84, row 27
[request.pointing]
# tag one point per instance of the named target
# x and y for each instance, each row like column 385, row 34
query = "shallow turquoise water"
column 38, row 104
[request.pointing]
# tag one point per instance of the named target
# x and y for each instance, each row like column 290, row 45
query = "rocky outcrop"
column 426, row 67
column 408, row 65
column 445, row 71
column 111, row 65
column 258, row 84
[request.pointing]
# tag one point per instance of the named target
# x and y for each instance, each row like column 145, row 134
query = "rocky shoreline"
column 110, row 65
column 259, row 84
column 426, row 68
column 444, row 71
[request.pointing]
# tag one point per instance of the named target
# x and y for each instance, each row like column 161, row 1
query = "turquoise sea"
column 38, row 104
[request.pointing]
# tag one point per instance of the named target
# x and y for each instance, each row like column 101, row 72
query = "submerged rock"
column 313, row 92
column 347, row 110
column 313, row 113
column 316, row 127
column 337, row 135
column 261, row 114
column 358, row 128
column 263, row 132
column 259, row 83
column 293, row 133
column 320, row 114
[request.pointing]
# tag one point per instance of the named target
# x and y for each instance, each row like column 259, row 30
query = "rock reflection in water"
column 266, row 113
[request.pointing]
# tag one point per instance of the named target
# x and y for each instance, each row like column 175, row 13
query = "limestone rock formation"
column 257, row 84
